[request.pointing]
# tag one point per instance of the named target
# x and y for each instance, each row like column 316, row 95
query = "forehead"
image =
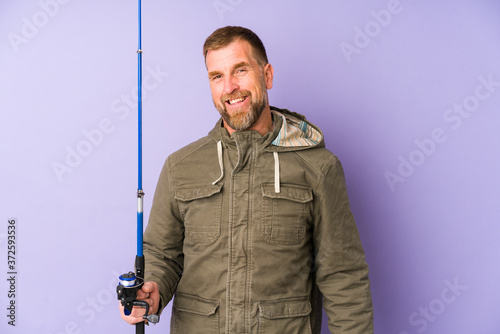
column 233, row 53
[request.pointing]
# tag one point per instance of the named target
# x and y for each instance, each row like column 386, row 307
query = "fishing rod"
column 131, row 282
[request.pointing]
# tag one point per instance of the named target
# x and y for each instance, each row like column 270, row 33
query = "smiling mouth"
column 236, row 100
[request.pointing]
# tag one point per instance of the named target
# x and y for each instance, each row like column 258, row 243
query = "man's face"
column 238, row 84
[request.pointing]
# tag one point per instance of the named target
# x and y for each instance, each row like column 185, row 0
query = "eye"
column 216, row 77
column 241, row 71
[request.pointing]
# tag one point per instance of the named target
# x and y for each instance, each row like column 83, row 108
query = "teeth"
column 236, row 100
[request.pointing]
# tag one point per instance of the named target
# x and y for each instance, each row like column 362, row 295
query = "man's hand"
column 150, row 294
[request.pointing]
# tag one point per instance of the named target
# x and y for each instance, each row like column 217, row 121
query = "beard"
column 242, row 118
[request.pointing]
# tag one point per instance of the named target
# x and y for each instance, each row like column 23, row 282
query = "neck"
column 263, row 125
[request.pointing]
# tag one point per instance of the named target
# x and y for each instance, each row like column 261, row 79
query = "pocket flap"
column 192, row 192
column 292, row 192
column 285, row 308
column 196, row 305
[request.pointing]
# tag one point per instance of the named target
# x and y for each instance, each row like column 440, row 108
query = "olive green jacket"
column 249, row 231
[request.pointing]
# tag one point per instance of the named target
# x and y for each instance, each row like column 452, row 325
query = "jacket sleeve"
column 341, row 269
column 163, row 240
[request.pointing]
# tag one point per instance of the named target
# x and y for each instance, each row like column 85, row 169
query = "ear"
column 268, row 75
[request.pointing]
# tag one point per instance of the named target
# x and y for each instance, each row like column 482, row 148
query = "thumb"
column 148, row 287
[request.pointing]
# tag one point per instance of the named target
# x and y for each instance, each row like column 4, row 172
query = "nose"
column 230, row 84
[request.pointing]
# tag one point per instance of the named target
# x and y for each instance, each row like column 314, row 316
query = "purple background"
column 406, row 92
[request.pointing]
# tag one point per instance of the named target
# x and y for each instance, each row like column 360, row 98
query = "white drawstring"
column 221, row 164
column 276, row 168
column 276, row 173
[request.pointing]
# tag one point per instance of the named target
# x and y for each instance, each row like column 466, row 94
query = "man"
column 250, row 225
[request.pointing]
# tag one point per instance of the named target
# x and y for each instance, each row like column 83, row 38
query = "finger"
column 142, row 294
column 135, row 317
column 140, row 311
column 150, row 303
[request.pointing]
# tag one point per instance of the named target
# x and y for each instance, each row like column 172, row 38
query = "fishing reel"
column 127, row 294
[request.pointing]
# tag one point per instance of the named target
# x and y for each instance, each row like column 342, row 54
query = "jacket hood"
column 294, row 132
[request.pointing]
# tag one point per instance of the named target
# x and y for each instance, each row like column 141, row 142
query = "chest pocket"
column 285, row 214
column 201, row 207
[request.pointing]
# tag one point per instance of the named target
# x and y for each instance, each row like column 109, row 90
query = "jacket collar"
column 291, row 132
